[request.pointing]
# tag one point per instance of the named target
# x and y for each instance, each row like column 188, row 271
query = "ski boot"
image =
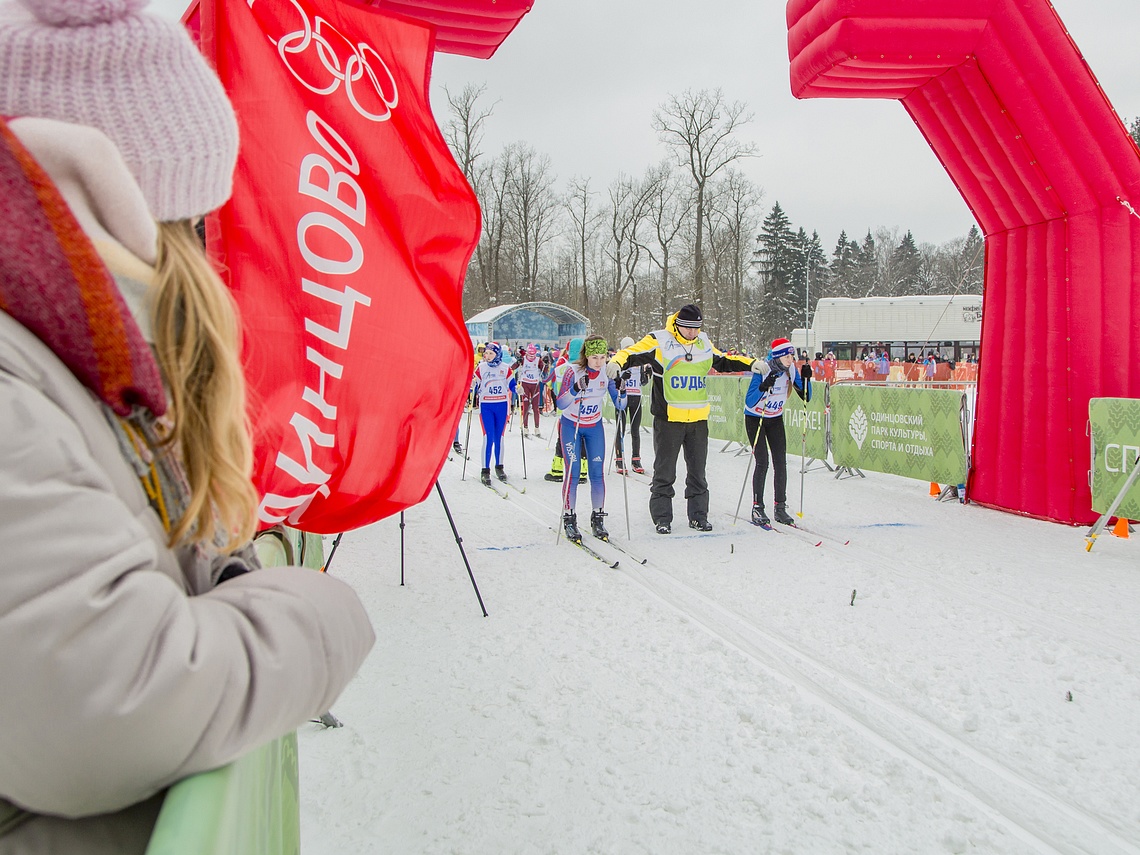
column 556, row 470
column 637, row 467
column 759, row 517
column 598, row 525
column 663, row 528
column 485, row 477
column 458, row 448
column 700, row 525
column 619, row 465
column 570, row 526
column 780, row 512
column 500, row 474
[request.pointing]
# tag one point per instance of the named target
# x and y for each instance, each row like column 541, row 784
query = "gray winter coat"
column 123, row 667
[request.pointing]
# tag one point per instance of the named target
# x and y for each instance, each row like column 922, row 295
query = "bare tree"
column 700, row 128
column 629, row 201
column 490, row 186
column 669, row 208
column 739, row 202
column 586, row 220
column 530, row 203
column 464, row 129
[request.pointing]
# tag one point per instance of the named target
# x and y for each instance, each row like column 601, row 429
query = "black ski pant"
column 771, row 432
column 669, row 438
column 631, row 415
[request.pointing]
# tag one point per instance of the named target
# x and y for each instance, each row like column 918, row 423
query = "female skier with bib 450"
column 580, row 394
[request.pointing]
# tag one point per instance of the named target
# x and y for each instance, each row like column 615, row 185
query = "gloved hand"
column 581, row 384
column 758, row 366
column 806, row 372
column 613, row 369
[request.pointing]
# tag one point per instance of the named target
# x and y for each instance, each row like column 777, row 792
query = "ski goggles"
column 595, row 347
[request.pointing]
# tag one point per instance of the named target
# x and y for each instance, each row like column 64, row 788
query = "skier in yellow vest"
column 681, row 357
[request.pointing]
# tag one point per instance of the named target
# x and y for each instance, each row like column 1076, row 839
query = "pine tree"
column 973, row 258
column 906, row 262
column 1134, row 130
column 776, row 257
column 867, row 268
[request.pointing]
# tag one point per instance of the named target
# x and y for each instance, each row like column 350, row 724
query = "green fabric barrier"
column 815, row 412
column 916, row 433
column 726, row 407
column 251, row 806
column 1115, row 426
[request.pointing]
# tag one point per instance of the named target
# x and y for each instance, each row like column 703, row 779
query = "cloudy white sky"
column 579, row 80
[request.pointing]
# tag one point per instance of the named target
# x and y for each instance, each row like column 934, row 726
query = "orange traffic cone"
column 1121, row 527
column 935, row 490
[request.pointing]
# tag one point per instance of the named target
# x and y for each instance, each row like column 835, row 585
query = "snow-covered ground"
column 981, row 694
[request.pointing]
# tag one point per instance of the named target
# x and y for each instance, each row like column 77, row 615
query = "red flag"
column 345, row 244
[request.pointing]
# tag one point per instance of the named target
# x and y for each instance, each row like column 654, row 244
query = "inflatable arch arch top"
column 1008, row 105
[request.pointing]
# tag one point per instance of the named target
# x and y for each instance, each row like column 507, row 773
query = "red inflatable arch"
column 1014, row 114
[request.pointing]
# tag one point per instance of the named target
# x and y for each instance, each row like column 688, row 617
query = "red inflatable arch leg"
column 1017, row 119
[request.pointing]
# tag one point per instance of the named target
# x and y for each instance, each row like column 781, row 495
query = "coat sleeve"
column 726, row 364
column 639, row 353
column 117, row 682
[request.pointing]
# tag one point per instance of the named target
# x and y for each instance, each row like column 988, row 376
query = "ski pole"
column 522, row 439
column 625, row 474
column 803, row 453
column 467, row 444
column 748, row 469
column 568, row 475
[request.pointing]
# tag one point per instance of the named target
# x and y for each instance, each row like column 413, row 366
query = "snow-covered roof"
column 558, row 313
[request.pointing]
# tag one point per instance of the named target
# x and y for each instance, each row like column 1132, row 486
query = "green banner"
column 1115, row 443
column 726, row 407
column 916, row 433
column 726, row 413
column 250, row 807
column 815, row 412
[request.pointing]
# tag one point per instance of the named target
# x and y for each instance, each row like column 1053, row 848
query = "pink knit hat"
column 134, row 76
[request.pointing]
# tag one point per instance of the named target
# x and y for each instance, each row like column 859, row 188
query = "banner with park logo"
column 726, row 406
column 1115, row 426
column 916, row 433
column 796, row 411
column 726, row 414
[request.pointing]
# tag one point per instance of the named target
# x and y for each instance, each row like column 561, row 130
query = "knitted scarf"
column 55, row 284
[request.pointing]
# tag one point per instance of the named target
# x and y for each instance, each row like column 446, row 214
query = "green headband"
column 595, row 347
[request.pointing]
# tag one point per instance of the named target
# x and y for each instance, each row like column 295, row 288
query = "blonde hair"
column 197, row 344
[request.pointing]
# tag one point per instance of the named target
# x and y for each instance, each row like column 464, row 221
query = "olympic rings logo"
column 321, row 58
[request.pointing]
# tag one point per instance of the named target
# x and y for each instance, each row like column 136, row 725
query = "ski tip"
column 615, row 564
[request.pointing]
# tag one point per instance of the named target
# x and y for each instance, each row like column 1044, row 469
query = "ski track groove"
column 1038, row 818
column 1014, row 610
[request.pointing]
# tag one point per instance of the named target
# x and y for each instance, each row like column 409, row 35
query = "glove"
column 613, row 369
column 581, row 384
column 806, row 372
column 758, row 366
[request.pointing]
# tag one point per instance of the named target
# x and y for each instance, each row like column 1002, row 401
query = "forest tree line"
column 692, row 228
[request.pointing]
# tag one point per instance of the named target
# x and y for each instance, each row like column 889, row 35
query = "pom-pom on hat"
column 690, row 316
column 782, row 347
column 134, row 76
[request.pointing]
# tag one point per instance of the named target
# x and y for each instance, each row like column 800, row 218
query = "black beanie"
column 689, row 316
